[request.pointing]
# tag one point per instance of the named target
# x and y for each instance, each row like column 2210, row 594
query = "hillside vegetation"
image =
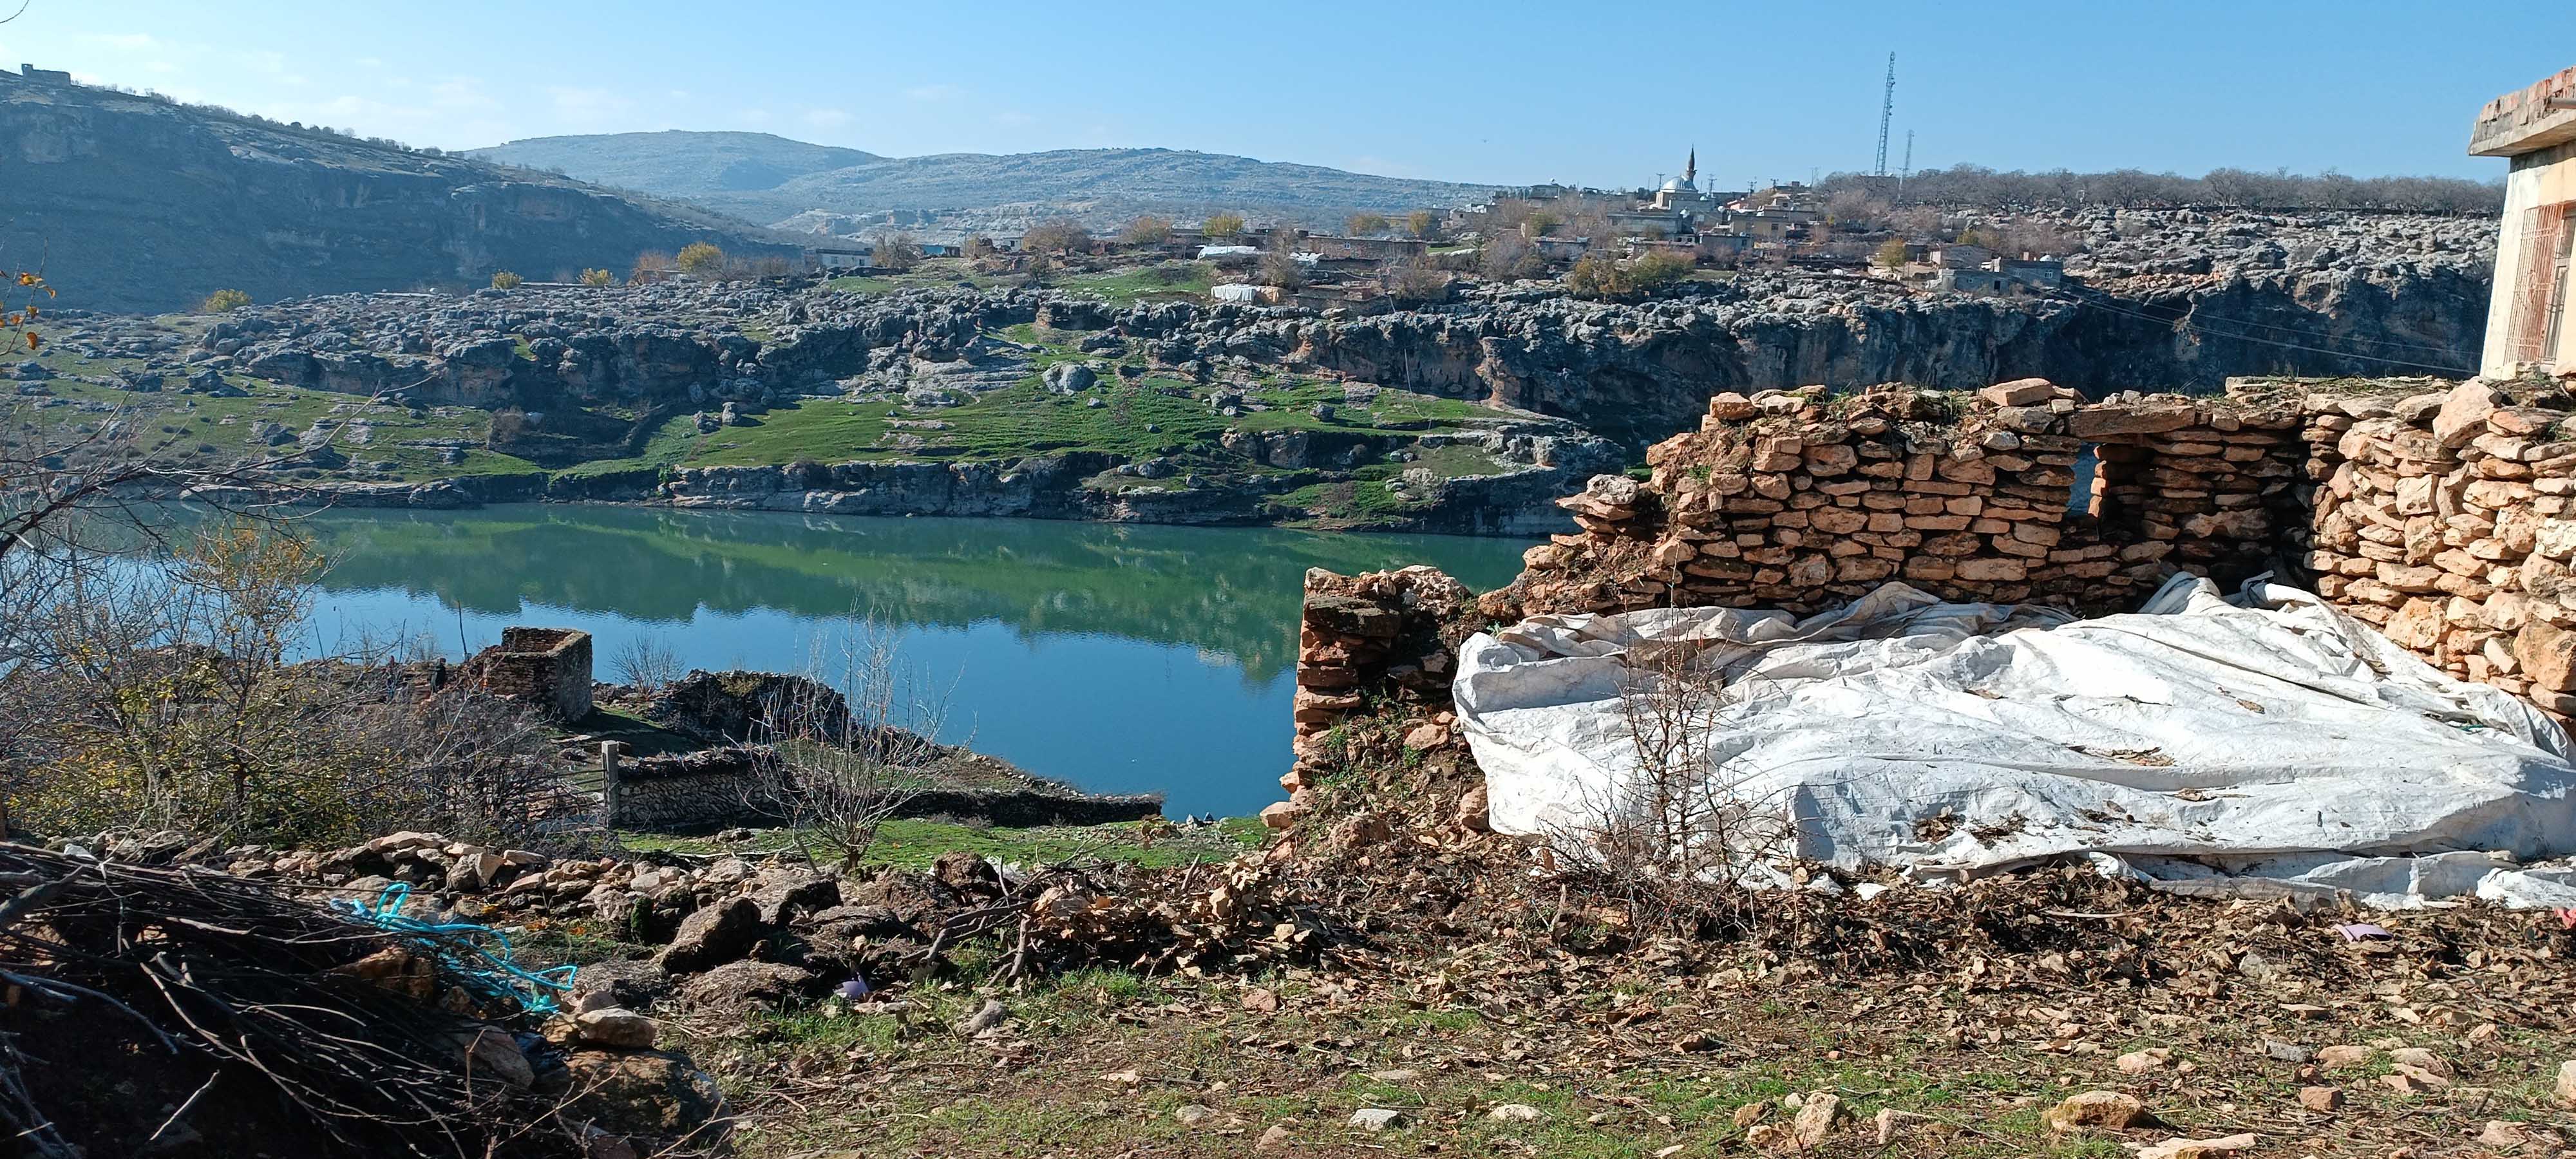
column 158, row 204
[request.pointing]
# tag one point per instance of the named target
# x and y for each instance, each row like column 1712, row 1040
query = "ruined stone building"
column 2535, row 128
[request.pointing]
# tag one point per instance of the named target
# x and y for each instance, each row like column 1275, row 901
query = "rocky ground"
column 1387, row 978
column 2388, row 247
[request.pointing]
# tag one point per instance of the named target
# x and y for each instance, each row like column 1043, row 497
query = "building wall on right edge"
column 2539, row 194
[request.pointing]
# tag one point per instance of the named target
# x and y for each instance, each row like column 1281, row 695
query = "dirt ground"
column 1499, row 1013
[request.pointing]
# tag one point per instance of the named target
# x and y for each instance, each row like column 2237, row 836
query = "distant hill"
column 678, row 164
column 847, row 191
column 137, row 203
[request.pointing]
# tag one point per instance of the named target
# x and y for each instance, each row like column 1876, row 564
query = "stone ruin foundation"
column 548, row 668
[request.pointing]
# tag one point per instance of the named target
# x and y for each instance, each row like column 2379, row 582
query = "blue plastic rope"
column 491, row 973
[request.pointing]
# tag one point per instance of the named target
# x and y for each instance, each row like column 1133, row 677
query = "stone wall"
column 545, row 667
column 2018, row 492
column 1366, row 643
column 722, row 788
column 2442, row 518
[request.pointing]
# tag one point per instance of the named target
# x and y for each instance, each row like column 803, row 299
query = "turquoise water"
column 1119, row 658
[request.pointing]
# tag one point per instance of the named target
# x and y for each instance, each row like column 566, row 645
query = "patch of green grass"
column 1142, row 418
column 1163, row 280
column 226, row 423
column 934, row 272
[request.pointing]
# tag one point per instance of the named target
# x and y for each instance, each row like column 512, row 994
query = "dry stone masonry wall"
column 2441, row 516
column 2019, row 492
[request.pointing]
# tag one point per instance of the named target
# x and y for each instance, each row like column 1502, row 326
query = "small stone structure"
column 545, row 667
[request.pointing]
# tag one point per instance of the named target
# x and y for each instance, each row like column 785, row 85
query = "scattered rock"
column 1891, row 1123
column 616, row 1029
column 2201, row 1148
column 713, row 935
column 2097, row 1110
column 2503, row 1135
column 2321, row 1099
column 1815, row 1120
column 990, row 1016
column 1515, row 1113
column 1375, row 1119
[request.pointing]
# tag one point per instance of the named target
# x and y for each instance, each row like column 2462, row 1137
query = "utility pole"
column 1886, row 113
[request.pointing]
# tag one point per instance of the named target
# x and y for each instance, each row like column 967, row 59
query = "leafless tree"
column 851, row 745
column 1681, row 836
column 647, row 662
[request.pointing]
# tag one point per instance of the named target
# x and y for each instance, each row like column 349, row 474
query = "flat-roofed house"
column 2535, row 128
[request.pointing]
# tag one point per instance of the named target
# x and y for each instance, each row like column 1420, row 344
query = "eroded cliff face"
column 131, row 203
column 1642, row 372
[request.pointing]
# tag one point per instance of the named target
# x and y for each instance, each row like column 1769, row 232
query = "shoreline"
column 1463, row 507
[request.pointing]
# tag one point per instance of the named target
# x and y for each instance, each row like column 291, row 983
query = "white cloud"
column 370, row 62
column 1013, row 118
column 753, row 116
column 937, row 92
column 827, row 118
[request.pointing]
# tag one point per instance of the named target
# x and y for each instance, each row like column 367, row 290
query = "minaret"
column 1690, row 168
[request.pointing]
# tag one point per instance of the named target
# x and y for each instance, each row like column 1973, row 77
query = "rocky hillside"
column 775, row 180
column 136, row 203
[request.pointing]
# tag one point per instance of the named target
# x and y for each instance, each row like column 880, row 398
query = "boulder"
column 655, row 1097
column 743, row 985
column 615, row 1028
column 715, row 934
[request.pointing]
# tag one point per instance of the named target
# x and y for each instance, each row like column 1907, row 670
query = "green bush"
column 700, row 257
column 597, row 278
column 224, row 302
column 505, row 280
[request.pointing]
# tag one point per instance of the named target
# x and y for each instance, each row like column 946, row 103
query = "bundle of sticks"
column 116, row 973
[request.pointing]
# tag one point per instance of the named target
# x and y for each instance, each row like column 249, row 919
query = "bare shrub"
column 1060, row 236
column 895, row 251
column 1279, row 265
column 161, row 695
column 646, row 662
column 1678, row 842
column 1408, row 282
column 850, row 745
column 1508, row 256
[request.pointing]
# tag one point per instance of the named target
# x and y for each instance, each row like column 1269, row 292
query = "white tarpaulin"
column 2265, row 744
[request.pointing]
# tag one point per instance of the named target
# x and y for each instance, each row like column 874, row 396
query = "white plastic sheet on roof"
column 2261, row 745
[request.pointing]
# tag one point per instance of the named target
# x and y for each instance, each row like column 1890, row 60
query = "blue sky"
column 1487, row 92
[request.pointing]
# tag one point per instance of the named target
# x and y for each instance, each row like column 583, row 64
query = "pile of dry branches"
column 153, row 1006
